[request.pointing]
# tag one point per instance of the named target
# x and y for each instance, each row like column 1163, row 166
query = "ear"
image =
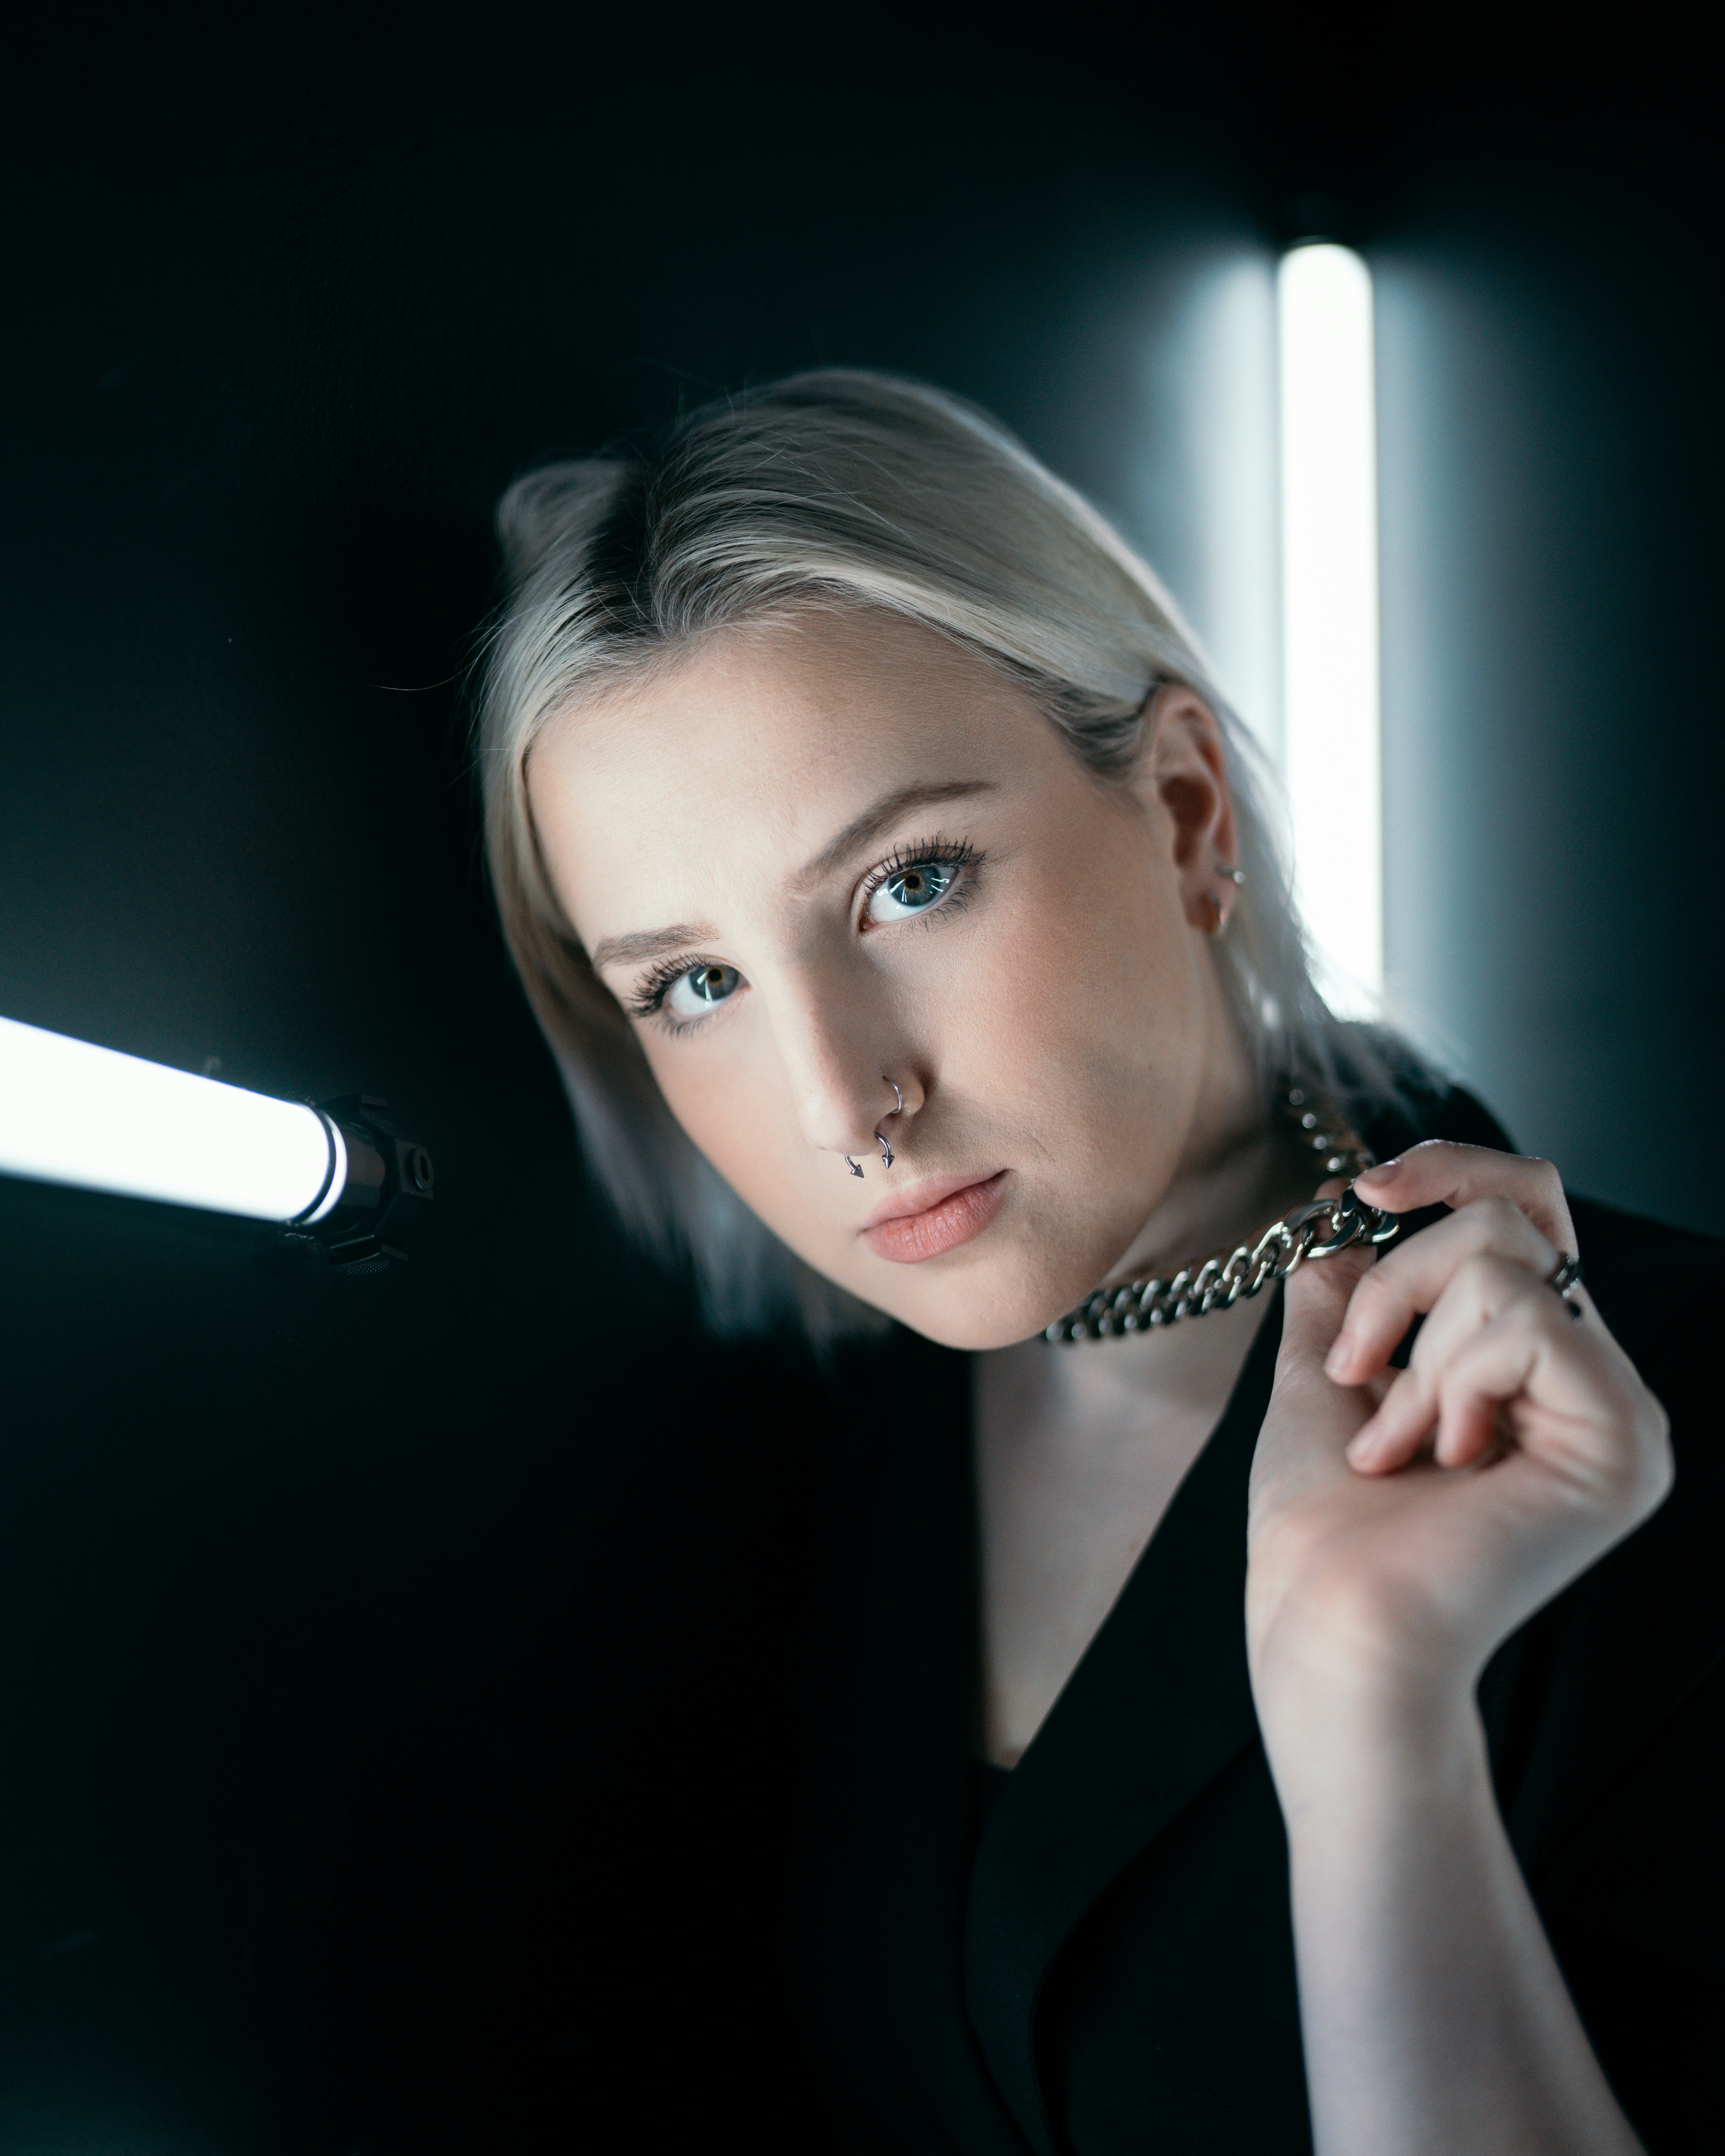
column 1185, row 772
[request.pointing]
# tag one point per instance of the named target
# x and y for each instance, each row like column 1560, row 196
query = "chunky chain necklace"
column 1316, row 1231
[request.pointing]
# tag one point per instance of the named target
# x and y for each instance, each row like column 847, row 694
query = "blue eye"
column 911, row 889
column 693, row 994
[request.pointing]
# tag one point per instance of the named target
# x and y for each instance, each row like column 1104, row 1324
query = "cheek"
column 707, row 1096
column 727, row 1096
column 1061, row 997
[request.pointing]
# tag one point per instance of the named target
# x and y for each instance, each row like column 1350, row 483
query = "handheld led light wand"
column 340, row 1175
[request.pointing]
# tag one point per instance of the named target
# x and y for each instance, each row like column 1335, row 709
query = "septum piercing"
column 887, row 1155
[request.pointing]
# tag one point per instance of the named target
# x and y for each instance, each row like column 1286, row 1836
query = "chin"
column 974, row 1332
column 1008, row 1284
column 994, row 1306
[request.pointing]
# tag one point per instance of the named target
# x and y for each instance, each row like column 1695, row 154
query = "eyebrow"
column 647, row 944
column 876, row 818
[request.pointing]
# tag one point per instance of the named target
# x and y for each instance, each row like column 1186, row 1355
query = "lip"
column 933, row 1216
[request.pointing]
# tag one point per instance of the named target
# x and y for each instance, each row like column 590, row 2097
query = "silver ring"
column 1565, row 1280
column 887, row 1155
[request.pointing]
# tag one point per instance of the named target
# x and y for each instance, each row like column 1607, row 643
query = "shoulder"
column 1658, row 1287
column 1425, row 1108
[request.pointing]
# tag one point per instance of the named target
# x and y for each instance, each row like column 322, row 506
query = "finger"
column 1484, row 1291
column 1315, row 1301
column 1439, row 1173
column 1590, row 1456
column 1596, row 1426
column 1479, row 1291
column 1303, row 1445
column 1316, row 1297
column 1407, row 1280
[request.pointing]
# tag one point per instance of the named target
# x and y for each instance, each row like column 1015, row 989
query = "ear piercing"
column 1236, row 876
column 887, row 1155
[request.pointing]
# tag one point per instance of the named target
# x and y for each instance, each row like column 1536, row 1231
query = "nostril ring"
column 887, row 1155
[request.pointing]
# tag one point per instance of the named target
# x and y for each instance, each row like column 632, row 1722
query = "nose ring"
column 887, row 1155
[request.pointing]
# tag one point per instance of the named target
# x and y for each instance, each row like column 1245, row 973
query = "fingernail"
column 1340, row 1356
column 1362, row 1443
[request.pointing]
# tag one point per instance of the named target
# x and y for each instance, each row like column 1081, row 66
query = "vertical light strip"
column 1330, row 678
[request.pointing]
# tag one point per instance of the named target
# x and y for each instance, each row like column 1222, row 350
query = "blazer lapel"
column 878, row 1900
column 1159, row 1705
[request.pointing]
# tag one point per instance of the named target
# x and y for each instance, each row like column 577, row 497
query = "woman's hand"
column 1403, row 1522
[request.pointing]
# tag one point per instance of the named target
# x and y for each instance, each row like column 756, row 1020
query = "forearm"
column 1436, row 2020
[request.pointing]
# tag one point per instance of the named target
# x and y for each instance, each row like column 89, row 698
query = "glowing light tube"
column 70, row 1112
column 1330, row 682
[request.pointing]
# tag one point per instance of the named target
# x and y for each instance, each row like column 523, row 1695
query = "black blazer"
column 1096, row 1956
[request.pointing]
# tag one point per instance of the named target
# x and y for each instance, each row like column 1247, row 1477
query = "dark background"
column 398, row 1678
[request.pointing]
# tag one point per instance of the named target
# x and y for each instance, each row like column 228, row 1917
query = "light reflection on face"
column 821, row 857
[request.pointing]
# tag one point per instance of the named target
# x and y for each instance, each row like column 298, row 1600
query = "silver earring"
column 853, row 1167
column 887, row 1155
column 1233, row 875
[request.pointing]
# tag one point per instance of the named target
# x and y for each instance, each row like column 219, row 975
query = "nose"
column 850, row 1078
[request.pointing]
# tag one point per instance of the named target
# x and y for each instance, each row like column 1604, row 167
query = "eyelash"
column 653, row 988
column 648, row 1000
column 959, row 852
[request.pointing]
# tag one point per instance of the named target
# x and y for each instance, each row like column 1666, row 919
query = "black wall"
column 398, row 1678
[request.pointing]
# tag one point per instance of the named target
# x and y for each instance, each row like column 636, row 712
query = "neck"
column 1240, row 1168
column 1246, row 1171
column 1215, row 1203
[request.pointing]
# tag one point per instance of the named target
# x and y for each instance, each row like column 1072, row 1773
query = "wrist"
column 1351, row 1743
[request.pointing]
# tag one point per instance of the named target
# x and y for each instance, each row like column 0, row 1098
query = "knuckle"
column 1498, row 1217
column 1484, row 1274
column 1379, row 1287
column 1644, row 1472
column 1655, row 1446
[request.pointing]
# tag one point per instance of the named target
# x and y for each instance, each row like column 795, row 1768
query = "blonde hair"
column 866, row 491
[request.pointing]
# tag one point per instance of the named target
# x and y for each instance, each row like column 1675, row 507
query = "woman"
column 894, row 890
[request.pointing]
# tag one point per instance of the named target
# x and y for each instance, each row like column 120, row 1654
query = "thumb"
column 1315, row 1301
column 1316, row 1418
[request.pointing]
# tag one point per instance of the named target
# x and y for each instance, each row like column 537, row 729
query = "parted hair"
column 864, row 492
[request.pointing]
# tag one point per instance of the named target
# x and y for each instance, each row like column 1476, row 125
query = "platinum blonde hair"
column 864, row 492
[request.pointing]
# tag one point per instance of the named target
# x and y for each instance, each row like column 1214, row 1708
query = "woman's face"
column 817, row 858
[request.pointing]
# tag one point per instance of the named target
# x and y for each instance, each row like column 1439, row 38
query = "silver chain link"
column 1316, row 1231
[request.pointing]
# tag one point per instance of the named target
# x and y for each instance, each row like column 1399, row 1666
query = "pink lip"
column 933, row 1216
